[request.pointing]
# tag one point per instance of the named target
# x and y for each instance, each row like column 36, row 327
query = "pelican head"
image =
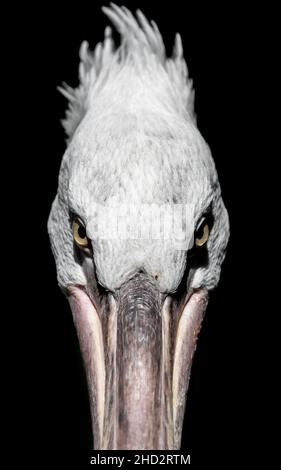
column 138, row 229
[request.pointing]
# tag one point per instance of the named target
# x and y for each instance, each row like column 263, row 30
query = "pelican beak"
column 137, row 357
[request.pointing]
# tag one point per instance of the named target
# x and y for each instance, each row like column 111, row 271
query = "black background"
column 50, row 390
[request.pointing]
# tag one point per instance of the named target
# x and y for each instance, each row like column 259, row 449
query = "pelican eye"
column 79, row 234
column 202, row 233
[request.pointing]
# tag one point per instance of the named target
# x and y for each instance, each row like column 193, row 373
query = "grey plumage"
column 133, row 139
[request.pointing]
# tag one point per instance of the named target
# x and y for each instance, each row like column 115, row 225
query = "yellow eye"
column 202, row 234
column 79, row 234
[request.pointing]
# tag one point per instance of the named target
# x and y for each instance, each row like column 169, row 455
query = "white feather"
column 142, row 49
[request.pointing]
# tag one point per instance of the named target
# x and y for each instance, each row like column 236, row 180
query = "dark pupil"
column 81, row 231
column 200, row 231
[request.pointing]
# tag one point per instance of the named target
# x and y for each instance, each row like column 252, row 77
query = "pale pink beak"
column 137, row 359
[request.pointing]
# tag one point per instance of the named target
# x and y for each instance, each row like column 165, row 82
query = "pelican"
column 138, row 230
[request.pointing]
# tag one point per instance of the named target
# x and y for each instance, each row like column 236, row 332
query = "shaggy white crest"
column 143, row 49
